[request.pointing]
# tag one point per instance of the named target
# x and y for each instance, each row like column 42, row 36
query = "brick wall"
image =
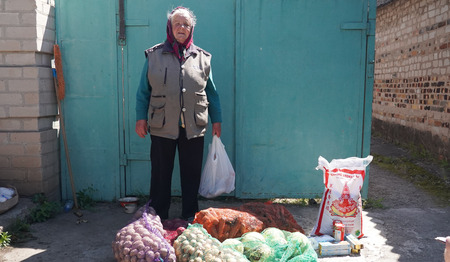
column 411, row 98
column 29, row 147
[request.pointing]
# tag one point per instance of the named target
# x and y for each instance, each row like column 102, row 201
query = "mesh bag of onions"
column 143, row 240
column 196, row 245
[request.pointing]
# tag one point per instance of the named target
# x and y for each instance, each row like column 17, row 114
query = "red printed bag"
column 343, row 179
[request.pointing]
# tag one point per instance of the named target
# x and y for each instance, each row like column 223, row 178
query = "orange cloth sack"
column 224, row 223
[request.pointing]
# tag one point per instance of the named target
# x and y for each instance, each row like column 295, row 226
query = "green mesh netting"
column 273, row 244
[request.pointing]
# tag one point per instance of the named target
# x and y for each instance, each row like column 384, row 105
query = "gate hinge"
column 370, row 69
column 354, row 26
column 124, row 160
column 368, row 26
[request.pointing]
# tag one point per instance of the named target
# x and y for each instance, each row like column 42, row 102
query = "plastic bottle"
column 68, row 206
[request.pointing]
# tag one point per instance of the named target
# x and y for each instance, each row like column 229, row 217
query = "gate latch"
column 122, row 34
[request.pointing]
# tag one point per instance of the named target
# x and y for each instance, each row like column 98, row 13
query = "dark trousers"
column 162, row 156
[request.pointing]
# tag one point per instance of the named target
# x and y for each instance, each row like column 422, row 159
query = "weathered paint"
column 86, row 35
column 291, row 75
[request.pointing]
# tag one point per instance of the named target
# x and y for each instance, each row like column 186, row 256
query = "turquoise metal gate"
column 145, row 27
column 300, row 93
column 294, row 79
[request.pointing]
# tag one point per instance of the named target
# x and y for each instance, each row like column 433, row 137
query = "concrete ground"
column 404, row 230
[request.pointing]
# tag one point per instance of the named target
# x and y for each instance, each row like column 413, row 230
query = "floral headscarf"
column 171, row 38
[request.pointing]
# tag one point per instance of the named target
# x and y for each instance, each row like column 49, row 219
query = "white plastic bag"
column 218, row 174
column 341, row 201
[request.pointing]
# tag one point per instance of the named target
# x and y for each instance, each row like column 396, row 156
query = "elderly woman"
column 175, row 96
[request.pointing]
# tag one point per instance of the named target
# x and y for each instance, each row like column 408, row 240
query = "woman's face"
column 181, row 27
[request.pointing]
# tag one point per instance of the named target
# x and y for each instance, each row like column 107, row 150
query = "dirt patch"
column 395, row 192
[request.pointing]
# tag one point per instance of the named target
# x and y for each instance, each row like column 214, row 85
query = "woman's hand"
column 141, row 128
column 216, row 129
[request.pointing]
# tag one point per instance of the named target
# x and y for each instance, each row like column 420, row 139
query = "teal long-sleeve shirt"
column 145, row 90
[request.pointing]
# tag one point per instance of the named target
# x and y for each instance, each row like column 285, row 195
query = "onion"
column 142, row 240
column 141, row 254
